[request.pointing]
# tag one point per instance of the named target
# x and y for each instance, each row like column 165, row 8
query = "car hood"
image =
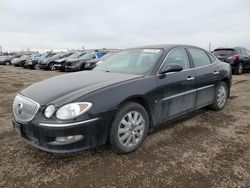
column 66, row 88
column 61, row 60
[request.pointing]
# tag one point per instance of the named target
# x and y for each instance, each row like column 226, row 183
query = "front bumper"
column 71, row 68
column 94, row 133
column 59, row 66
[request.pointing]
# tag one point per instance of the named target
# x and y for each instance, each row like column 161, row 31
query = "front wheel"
column 129, row 129
column 221, row 95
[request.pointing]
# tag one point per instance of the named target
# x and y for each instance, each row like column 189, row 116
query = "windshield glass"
column 135, row 61
column 88, row 56
column 106, row 56
column 74, row 55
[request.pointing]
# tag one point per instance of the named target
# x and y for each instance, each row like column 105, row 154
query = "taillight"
column 233, row 57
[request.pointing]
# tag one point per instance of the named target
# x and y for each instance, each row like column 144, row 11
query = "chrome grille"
column 24, row 109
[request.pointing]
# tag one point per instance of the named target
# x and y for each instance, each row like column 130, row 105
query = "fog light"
column 49, row 111
column 69, row 138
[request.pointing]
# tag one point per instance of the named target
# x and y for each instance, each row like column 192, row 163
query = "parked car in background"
column 28, row 61
column 79, row 63
column 60, row 63
column 32, row 63
column 90, row 64
column 20, row 61
column 49, row 63
column 238, row 58
column 121, row 99
column 6, row 60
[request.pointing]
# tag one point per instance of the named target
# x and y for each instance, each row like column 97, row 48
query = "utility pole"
column 209, row 47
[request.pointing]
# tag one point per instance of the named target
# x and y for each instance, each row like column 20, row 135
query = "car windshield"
column 88, row 56
column 224, row 52
column 49, row 55
column 57, row 55
column 75, row 55
column 106, row 56
column 135, row 61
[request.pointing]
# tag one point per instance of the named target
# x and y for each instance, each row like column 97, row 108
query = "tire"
column 132, row 136
column 221, row 95
column 36, row 67
column 8, row 63
column 82, row 67
column 238, row 69
column 52, row 67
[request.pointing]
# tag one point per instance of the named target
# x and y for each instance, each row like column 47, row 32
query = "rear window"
column 223, row 52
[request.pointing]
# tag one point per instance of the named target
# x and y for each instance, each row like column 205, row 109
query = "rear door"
column 176, row 93
column 206, row 78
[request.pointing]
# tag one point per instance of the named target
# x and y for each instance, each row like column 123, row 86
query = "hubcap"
column 221, row 96
column 131, row 129
column 52, row 67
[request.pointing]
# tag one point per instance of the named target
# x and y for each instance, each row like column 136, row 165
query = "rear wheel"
column 239, row 69
column 52, row 66
column 221, row 95
column 129, row 129
column 8, row 63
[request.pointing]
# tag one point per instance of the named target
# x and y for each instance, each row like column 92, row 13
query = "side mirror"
column 171, row 68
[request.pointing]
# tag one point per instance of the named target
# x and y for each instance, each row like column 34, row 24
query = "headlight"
column 72, row 110
column 48, row 112
column 99, row 62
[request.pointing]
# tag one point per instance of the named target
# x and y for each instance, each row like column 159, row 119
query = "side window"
column 199, row 57
column 177, row 56
column 212, row 58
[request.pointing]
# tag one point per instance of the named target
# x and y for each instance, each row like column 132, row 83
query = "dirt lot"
column 207, row 149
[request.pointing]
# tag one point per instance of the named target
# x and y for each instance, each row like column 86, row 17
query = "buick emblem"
column 19, row 108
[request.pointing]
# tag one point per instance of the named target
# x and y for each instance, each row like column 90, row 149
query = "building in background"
column 1, row 49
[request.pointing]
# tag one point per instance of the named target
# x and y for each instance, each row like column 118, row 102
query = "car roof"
column 165, row 46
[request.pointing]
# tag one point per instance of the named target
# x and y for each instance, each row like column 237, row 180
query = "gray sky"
column 71, row 24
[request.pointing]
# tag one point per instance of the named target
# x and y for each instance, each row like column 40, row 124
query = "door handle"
column 190, row 78
column 216, row 72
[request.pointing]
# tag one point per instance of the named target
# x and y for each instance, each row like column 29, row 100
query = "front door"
column 176, row 92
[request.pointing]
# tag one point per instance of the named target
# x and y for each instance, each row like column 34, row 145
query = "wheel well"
column 142, row 101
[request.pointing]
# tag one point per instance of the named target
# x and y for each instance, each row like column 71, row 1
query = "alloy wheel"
column 52, row 67
column 131, row 129
column 221, row 96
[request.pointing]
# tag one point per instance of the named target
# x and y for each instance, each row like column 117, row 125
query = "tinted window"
column 224, row 52
column 178, row 56
column 199, row 57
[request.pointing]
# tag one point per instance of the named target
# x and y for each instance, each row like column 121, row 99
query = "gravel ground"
column 205, row 149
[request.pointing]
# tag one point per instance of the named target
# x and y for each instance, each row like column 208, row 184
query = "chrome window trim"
column 186, row 92
column 67, row 124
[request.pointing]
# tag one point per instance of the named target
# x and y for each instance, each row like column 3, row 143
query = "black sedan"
column 122, row 99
